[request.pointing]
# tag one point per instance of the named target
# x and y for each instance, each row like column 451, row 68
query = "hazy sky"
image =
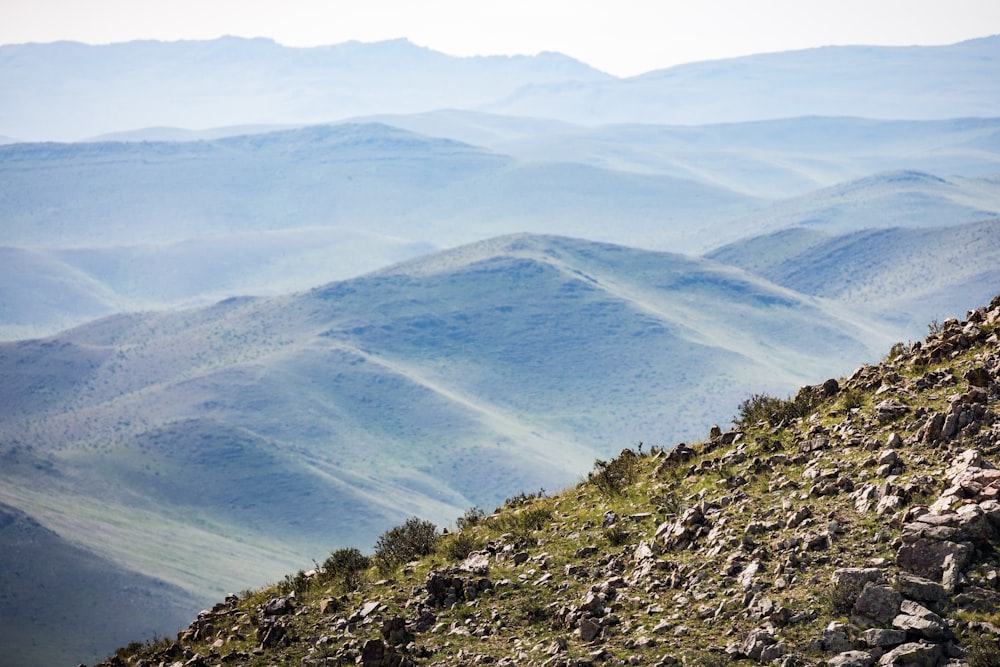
column 623, row 37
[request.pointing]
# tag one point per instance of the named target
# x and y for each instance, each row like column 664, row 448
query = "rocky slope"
column 855, row 523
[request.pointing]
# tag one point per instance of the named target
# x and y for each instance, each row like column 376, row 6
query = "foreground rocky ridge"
column 854, row 524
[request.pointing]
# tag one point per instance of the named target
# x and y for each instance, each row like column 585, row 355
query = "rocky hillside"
column 855, row 523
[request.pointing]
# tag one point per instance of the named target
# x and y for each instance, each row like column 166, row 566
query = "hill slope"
column 854, row 524
column 906, row 275
column 62, row 604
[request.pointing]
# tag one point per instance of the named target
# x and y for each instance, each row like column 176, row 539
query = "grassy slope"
column 691, row 603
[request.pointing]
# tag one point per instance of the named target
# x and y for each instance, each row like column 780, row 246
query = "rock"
column 372, row 653
column 920, row 589
column 913, row 654
column 915, row 619
column 773, row 652
column 888, row 411
column 888, row 457
column 879, row 603
column 478, row 562
column 926, row 558
column 279, row 606
column 755, row 643
column 851, row 659
column 883, row 638
column 835, row 638
column 746, row 577
column 588, row 630
column 395, row 632
column 593, row 604
column 849, row 582
column 976, row 599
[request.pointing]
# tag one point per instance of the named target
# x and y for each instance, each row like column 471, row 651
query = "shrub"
column 403, row 543
column 346, row 567
column 458, row 546
column 983, row 651
column 774, row 411
column 472, row 517
column 615, row 476
column 522, row 521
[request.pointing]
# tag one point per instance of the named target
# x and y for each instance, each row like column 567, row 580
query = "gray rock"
column 879, row 603
column 913, row 654
column 915, row 619
column 851, row 659
column 755, row 643
column 849, row 582
column 920, row 589
column 835, row 638
column 588, row 630
column 926, row 558
column 883, row 637
column 478, row 562
column 773, row 652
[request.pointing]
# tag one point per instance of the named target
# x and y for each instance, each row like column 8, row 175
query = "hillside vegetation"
column 853, row 523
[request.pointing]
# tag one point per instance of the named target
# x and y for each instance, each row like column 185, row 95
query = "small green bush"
column 457, row 546
column 774, row 411
column 346, row 567
column 983, row 651
column 472, row 517
column 522, row 521
column 614, row 477
column 403, row 543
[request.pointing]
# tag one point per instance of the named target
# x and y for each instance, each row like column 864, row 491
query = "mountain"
column 855, row 523
column 905, row 198
column 234, row 81
column 92, row 229
column 828, row 81
column 771, row 159
column 234, row 441
column 906, row 275
column 66, row 91
column 155, row 225
column 53, row 589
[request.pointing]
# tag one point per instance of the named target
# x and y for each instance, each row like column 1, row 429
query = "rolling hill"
column 906, row 275
column 211, row 448
column 162, row 224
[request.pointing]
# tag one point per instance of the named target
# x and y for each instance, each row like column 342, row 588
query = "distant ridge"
column 233, row 80
column 831, row 81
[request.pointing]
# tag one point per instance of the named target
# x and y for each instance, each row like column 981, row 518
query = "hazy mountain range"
column 317, row 329
column 70, row 91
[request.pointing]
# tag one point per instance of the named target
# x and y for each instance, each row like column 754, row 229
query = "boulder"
column 926, row 557
column 879, row 603
column 851, row 659
column 917, row 620
column 913, row 654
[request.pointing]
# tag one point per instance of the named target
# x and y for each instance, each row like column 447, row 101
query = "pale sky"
column 623, row 37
